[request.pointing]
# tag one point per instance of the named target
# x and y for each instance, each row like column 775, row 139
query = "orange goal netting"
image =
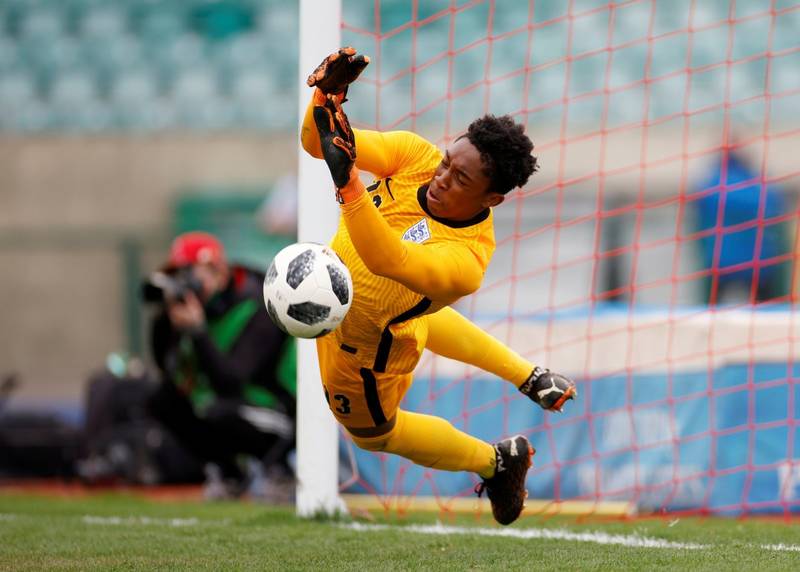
column 652, row 258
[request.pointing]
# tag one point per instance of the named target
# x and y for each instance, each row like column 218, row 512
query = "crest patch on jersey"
column 418, row 233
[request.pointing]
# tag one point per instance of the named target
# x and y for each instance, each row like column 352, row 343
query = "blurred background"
column 121, row 125
column 125, row 123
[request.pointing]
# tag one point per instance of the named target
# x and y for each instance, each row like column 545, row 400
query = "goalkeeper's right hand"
column 337, row 71
column 550, row 390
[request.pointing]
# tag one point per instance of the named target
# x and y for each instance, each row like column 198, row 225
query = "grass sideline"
column 128, row 532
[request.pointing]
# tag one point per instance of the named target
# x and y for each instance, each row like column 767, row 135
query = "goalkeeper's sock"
column 433, row 442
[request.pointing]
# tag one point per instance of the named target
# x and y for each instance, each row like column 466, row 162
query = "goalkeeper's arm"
column 309, row 136
column 443, row 272
column 452, row 336
column 331, row 77
column 381, row 153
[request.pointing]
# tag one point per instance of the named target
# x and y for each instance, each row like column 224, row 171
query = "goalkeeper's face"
column 459, row 189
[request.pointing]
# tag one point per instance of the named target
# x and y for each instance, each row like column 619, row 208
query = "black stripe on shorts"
column 382, row 355
column 372, row 397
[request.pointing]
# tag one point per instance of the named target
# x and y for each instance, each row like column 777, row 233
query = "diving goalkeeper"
column 416, row 240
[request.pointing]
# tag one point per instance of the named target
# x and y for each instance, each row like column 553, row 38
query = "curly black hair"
column 505, row 151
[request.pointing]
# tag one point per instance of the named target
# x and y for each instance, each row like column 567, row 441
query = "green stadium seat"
column 112, row 58
column 277, row 19
column 156, row 114
column 544, row 88
column 261, row 103
column 16, row 89
column 135, row 87
column 212, row 114
column 197, row 100
column 160, row 24
column 33, row 51
column 95, row 117
column 216, row 21
column 194, row 84
column 105, row 23
column 74, row 102
column 245, row 51
column 33, row 116
column 180, row 52
column 42, row 23
column 253, row 85
column 585, row 36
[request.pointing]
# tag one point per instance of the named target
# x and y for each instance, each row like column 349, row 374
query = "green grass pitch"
column 126, row 532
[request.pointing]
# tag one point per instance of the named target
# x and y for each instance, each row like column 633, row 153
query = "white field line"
column 146, row 520
column 629, row 540
column 781, row 547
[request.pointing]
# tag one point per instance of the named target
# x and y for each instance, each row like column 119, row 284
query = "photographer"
column 219, row 354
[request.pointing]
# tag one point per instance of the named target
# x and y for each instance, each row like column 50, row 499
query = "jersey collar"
column 422, row 198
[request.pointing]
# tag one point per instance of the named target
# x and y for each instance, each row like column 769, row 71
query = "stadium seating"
column 81, row 52
column 140, row 65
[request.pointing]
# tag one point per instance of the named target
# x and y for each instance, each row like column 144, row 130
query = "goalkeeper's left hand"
column 550, row 390
column 336, row 139
column 337, row 71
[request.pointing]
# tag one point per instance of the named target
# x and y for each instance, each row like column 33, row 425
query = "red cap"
column 195, row 248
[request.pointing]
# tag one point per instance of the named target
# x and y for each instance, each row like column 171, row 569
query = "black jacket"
column 254, row 356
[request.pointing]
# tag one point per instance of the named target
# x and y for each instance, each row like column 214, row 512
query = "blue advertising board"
column 725, row 440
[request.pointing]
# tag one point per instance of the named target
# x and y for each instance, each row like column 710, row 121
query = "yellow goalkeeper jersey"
column 429, row 262
column 434, row 263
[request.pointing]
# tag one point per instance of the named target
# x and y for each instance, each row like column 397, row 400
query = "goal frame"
column 317, row 430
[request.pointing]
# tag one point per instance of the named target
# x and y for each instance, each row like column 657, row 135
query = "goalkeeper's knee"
column 376, row 444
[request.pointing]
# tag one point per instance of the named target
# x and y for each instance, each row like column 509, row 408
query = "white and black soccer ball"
column 307, row 290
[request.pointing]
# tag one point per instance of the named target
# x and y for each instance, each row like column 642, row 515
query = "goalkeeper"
column 416, row 240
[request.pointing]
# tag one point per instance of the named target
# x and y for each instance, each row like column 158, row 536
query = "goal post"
column 317, row 431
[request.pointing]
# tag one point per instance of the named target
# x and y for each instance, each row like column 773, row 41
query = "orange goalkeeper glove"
column 337, row 71
column 550, row 390
column 338, row 144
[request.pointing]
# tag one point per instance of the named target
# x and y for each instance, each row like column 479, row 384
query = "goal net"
column 651, row 258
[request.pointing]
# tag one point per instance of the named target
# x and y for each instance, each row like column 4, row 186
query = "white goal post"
column 317, row 431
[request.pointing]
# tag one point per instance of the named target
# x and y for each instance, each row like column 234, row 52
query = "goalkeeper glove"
column 550, row 390
column 336, row 140
column 337, row 71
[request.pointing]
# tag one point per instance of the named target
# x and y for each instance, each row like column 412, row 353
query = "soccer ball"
column 307, row 290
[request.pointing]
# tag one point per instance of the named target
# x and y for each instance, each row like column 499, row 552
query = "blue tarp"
column 725, row 440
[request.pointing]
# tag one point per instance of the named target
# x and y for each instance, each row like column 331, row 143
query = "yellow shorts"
column 357, row 396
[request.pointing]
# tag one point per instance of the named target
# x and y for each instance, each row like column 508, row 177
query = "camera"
column 173, row 285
